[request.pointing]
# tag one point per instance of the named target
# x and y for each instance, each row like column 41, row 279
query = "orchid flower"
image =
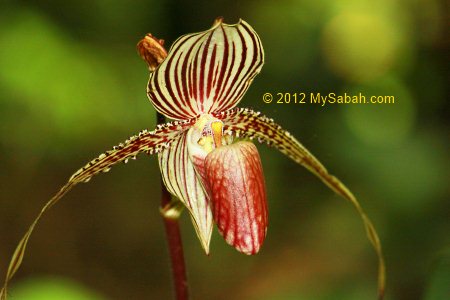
column 206, row 157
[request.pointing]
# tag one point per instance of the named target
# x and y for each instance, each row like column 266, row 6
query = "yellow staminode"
column 217, row 132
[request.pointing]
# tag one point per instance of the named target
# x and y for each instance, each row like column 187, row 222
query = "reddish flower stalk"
column 176, row 254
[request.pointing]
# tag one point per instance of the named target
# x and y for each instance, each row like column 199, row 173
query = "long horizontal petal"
column 250, row 124
column 181, row 180
column 206, row 72
column 146, row 141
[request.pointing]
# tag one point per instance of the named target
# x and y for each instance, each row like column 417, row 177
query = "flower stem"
column 174, row 242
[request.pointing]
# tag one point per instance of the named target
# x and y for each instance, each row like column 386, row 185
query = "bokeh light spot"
column 359, row 46
column 52, row 288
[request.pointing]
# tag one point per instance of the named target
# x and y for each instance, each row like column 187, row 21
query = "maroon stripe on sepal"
column 206, row 72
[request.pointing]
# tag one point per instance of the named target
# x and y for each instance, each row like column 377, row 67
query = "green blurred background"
column 72, row 86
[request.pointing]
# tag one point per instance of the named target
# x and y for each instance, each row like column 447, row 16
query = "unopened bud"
column 152, row 51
